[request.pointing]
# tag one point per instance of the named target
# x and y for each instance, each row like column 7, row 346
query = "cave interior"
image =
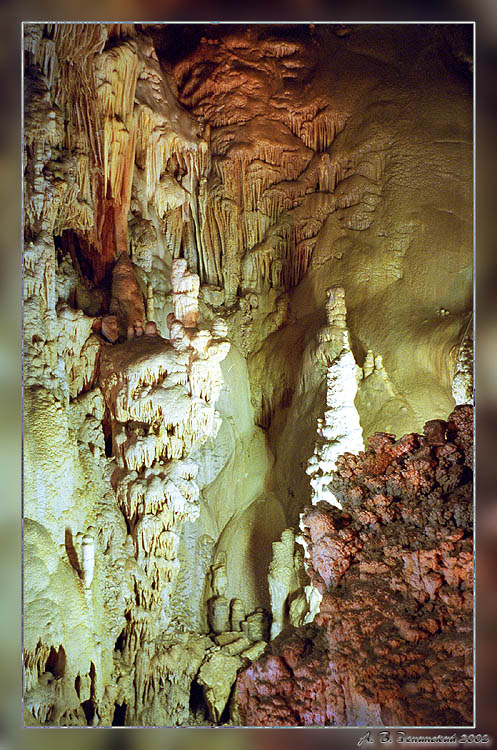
column 248, row 374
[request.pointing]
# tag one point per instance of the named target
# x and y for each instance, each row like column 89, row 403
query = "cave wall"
column 279, row 162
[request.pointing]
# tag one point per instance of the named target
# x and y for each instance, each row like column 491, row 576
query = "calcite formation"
column 247, row 251
column 340, row 428
column 462, row 382
column 391, row 644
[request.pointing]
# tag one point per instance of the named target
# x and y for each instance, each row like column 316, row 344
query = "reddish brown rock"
column 110, row 328
column 127, row 300
column 393, row 641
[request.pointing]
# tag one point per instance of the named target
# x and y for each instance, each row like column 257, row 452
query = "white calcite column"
column 339, row 431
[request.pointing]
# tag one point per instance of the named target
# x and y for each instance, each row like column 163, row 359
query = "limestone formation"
column 186, row 287
column 87, row 559
column 219, row 614
column 340, row 429
column 462, row 382
column 218, row 576
column 127, row 301
column 248, row 249
column 237, row 614
column 110, row 328
column 401, row 550
column 217, row 676
column 282, row 579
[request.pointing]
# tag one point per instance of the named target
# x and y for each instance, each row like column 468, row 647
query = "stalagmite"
column 87, row 559
column 150, row 302
column 237, row 614
column 340, row 430
column 110, row 328
column 282, row 579
column 256, row 626
column 218, row 605
column 186, row 287
column 219, row 578
column 219, row 611
column 127, row 300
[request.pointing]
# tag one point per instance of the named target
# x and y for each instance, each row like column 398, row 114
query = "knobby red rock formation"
column 393, row 641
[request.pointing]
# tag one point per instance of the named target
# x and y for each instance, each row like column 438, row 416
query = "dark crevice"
column 93, row 674
column 107, row 430
column 119, row 719
column 119, row 646
column 72, row 555
column 56, row 662
column 89, row 710
column 197, row 704
column 226, row 715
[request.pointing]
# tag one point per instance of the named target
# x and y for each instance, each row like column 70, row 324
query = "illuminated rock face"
column 233, row 235
column 340, row 430
column 160, row 398
column 392, row 643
